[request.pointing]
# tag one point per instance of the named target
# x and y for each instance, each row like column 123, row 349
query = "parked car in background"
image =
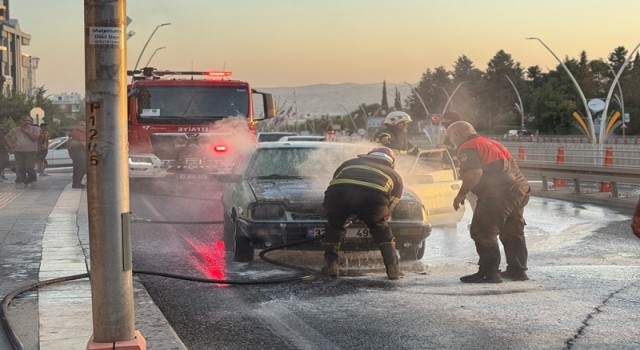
column 58, row 154
column 268, row 136
column 274, row 195
column 519, row 134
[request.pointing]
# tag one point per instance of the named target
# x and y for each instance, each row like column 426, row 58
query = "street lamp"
column 584, row 100
column 153, row 54
column 606, row 103
column 419, row 98
column 520, row 106
column 147, row 43
column 355, row 127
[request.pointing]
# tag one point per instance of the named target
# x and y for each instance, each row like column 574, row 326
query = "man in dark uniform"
column 368, row 187
column 489, row 171
column 393, row 133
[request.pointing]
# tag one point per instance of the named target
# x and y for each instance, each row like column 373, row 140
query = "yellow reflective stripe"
column 357, row 182
column 387, row 186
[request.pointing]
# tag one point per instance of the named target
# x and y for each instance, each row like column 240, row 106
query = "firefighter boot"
column 390, row 258
column 331, row 257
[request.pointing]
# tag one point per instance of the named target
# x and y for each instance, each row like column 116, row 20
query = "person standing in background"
column 4, row 153
column 23, row 140
column 635, row 221
column 43, row 149
column 78, row 153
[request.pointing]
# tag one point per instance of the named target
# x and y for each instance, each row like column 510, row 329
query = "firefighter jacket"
column 398, row 140
column 500, row 173
column 370, row 172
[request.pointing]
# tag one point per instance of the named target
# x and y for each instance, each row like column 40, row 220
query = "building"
column 17, row 68
column 69, row 103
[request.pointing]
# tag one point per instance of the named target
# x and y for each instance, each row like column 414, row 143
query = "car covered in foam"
column 275, row 193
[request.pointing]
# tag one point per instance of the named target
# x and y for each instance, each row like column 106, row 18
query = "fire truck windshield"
column 175, row 104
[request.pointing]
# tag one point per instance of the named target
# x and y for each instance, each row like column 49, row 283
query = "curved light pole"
column 147, row 43
column 603, row 120
column 584, row 99
column 520, row 107
column 153, row 54
column 355, row 127
column 419, row 98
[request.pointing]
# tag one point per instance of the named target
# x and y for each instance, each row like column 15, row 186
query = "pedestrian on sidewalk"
column 635, row 221
column 43, row 149
column 78, row 153
column 4, row 152
column 23, row 141
column 488, row 170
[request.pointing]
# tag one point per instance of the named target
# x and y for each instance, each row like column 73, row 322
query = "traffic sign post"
column 36, row 113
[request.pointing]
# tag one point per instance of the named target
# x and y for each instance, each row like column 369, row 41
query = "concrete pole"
column 107, row 173
column 521, row 106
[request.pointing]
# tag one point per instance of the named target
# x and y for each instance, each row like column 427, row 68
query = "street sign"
column 626, row 118
column 595, row 105
column 436, row 118
column 37, row 114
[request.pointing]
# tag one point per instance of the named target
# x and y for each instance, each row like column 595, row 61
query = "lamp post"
column 153, row 54
column 355, row 127
column 520, row 106
column 419, row 98
column 147, row 43
column 446, row 106
column 606, row 103
column 584, row 100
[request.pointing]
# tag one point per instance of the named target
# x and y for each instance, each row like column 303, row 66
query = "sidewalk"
column 63, row 320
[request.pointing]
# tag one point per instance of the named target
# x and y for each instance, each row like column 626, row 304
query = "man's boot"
column 390, row 258
column 331, row 257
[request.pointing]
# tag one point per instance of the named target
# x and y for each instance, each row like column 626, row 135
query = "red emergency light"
column 218, row 73
column 220, row 148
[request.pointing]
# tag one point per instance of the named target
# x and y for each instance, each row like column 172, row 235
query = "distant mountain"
column 325, row 99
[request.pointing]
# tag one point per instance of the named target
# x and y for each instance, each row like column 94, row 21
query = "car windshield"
column 174, row 104
column 295, row 162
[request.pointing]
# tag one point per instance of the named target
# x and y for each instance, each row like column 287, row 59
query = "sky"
column 288, row 43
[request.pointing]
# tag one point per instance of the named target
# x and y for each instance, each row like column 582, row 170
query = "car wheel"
column 243, row 249
column 413, row 253
column 228, row 233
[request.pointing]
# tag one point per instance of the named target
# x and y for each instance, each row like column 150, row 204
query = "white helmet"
column 396, row 117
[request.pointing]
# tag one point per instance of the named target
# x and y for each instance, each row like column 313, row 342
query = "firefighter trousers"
column 501, row 217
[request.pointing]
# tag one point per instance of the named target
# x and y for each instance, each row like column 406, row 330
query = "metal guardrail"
column 608, row 177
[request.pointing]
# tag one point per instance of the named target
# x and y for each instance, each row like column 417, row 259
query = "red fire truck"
column 190, row 128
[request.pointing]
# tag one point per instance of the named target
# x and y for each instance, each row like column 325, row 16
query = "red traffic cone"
column 608, row 157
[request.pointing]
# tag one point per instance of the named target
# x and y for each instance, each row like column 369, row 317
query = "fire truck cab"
column 190, row 128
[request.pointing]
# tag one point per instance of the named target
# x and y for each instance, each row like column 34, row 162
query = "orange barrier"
column 608, row 157
column 605, row 187
column 559, row 160
column 521, row 156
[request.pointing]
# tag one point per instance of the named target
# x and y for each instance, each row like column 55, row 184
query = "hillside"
column 322, row 99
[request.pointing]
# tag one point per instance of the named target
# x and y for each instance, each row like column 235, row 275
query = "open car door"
column 434, row 178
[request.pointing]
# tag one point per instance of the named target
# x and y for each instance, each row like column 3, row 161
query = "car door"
column 434, row 178
column 58, row 154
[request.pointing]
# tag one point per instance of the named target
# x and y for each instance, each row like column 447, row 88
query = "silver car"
column 275, row 193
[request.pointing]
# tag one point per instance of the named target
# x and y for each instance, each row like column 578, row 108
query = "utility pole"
column 107, row 177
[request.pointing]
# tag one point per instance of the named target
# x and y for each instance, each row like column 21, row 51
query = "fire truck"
column 189, row 125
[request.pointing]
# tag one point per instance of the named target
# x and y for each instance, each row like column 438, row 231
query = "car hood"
column 305, row 196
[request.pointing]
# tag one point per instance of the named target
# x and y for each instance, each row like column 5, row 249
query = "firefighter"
column 393, row 133
column 489, row 171
column 369, row 188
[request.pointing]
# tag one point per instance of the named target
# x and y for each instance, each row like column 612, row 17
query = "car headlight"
column 409, row 211
column 266, row 211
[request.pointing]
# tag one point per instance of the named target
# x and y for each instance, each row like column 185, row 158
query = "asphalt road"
column 583, row 293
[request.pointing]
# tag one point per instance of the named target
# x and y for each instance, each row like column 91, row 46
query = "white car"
column 58, row 154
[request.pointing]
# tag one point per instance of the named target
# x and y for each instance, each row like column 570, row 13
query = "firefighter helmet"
column 383, row 153
column 396, row 117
